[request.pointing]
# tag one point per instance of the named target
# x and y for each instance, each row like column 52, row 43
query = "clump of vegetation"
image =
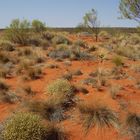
column 38, row 26
column 6, row 45
column 17, row 32
column 118, row 61
column 28, row 90
column 24, row 126
column 51, row 109
column 59, row 87
column 133, row 124
column 80, row 43
column 114, row 90
column 95, row 114
column 59, row 39
column 3, row 86
column 55, row 132
column 34, row 73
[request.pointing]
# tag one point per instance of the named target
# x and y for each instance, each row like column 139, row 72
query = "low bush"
column 23, row 126
column 118, row 61
column 59, row 39
column 59, row 87
column 133, row 124
column 95, row 114
column 17, row 32
column 6, row 45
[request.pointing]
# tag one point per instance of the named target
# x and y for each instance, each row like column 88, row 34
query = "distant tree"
column 38, row 26
column 130, row 9
column 91, row 21
column 18, row 30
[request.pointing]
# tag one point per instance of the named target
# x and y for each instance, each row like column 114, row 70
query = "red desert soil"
column 75, row 130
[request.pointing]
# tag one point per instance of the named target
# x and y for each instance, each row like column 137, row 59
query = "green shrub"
column 7, row 45
column 38, row 26
column 117, row 61
column 59, row 86
column 17, row 32
column 60, row 40
column 23, row 126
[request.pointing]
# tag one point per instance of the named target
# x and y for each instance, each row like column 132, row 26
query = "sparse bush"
column 4, row 57
column 80, row 43
column 34, row 73
column 104, row 35
column 60, row 40
column 17, row 32
column 51, row 109
column 38, row 26
column 28, row 90
column 117, row 61
column 67, row 76
column 97, row 115
column 114, row 91
column 7, row 45
column 133, row 124
column 54, row 132
column 3, row 86
column 23, row 126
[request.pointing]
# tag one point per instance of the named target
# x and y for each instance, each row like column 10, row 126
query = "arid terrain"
column 87, row 89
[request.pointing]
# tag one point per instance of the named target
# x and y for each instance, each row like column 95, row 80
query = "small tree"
column 38, row 26
column 91, row 21
column 17, row 32
column 130, row 9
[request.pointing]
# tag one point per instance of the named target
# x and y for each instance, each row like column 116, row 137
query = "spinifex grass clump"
column 23, row 126
column 6, row 45
column 97, row 115
column 133, row 125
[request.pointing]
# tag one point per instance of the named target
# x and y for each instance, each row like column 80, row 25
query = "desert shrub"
column 7, row 45
column 28, row 90
column 136, row 67
column 34, row 73
column 133, row 124
column 98, row 115
column 26, row 52
column 67, row 76
column 55, row 132
column 24, row 65
column 4, row 71
column 59, row 39
column 52, row 66
column 17, row 32
column 4, row 57
column 38, row 26
column 3, row 86
column 82, row 90
column 80, row 43
column 104, row 35
column 59, row 87
column 92, row 49
column 77, row 72
column 51, row 109
column 114, row 89
column 118, row 61
column 47, row 35
column 23, row 126
column 34, row 40
column 89, row 81
column 8, row 97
